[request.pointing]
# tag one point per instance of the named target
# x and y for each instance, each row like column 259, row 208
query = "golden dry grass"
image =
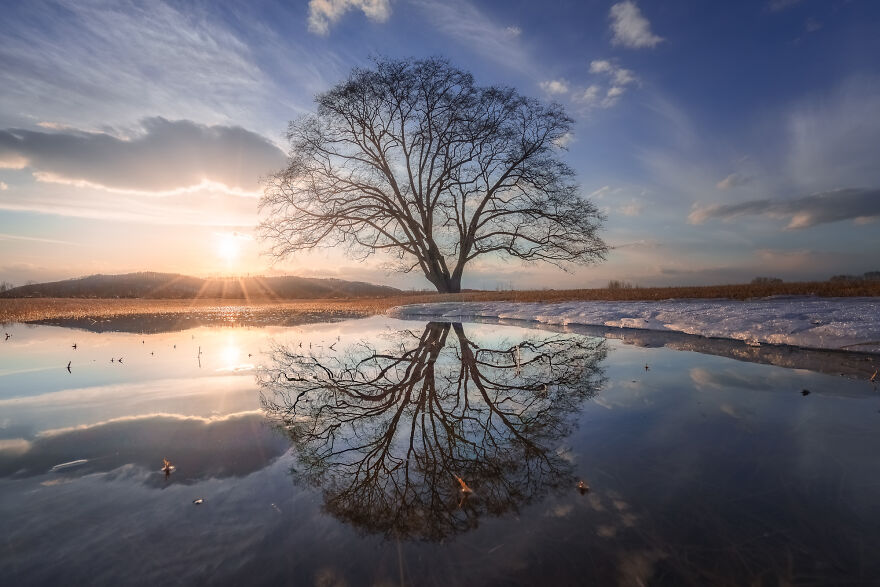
column 733, row 291
column 29, row 309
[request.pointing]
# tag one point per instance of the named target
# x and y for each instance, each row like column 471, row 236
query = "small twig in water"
column 464, row 486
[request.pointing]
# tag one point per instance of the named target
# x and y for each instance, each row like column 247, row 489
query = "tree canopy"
column 410, row 157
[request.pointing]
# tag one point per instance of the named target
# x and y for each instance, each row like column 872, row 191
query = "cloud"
column 16, row 237
column 592, row 96
column 619, row 75
column 564, row 141
column 92, row 63
column 14, row 447
column 164, row 156
column 556, row 86
column 598, row 96
column 639, row 244
column 202, row 206
column 248, row 446
column 55, row 125
column 833, row 137
column 705, row 379
column 630, row 28
column 733, row 180
column 613, row 93
column 631, row 209
column 812, row 25
column 465, row 23
column 814, row 144
column 600, row 66
column 323, row 13
column 603, row 191
column 84, row 406
column 513, row 30
column 822, row 208
column 777, row 5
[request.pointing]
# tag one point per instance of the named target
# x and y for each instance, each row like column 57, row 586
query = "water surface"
column 335, row 454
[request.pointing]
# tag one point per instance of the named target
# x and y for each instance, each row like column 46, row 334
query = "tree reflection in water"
column 385, row 432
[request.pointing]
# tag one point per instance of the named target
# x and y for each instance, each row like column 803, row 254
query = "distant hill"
column 152, row 285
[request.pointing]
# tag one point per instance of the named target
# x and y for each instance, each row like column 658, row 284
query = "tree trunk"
column 446, row 284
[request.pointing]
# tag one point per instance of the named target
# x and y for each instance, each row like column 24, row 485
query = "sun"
column 228, row 246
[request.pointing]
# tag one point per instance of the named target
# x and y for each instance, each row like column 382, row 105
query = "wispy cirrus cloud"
column 323, row 13
column 202, row 207
column 34, row 239
column 733, row 180
column 833, row 206
column 832, row 138
column 91, row 63
column 812, row 145
column 812, row 25
column 494, row 41
column 163, row 156
column 632, row 208
column 630, row 28
column 778, row 5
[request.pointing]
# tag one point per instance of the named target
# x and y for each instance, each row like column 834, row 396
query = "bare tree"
column 412, row 158
column 385, row 432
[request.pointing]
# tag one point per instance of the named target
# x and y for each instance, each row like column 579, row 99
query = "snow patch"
column 821, row 323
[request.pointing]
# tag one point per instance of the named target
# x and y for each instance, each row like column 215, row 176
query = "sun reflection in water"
column 231, row 356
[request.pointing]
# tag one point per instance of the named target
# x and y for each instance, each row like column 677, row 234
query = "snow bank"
column 823, row 323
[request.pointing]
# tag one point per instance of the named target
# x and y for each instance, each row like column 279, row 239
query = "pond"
column 388, row 452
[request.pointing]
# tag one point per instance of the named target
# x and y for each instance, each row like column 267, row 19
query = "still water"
column 389, row 452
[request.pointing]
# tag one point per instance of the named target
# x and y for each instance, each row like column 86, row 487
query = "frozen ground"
column 823, row 323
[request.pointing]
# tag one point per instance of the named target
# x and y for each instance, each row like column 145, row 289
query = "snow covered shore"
column 820, row 323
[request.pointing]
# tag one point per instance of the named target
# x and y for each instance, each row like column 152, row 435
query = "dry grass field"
column 30, row 309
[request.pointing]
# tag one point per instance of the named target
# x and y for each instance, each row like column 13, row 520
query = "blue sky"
column 723, row 140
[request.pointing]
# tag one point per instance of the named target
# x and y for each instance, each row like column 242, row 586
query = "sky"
column 723, row 140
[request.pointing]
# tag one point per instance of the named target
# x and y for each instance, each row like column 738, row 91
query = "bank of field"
column 31, row 309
